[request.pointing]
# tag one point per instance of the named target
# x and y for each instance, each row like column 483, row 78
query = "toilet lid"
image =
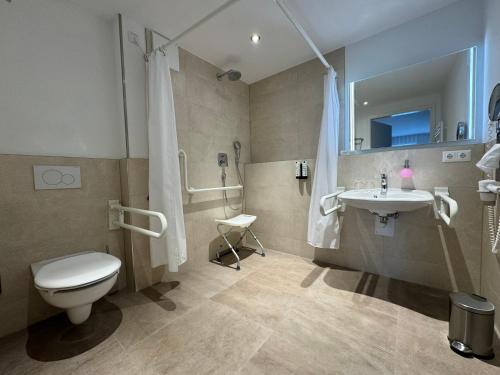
column 77, row 270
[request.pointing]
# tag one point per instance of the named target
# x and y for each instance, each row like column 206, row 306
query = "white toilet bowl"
column 75, row 282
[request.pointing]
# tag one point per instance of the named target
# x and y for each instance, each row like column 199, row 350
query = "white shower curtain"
column 324, row 231
column 164, row 173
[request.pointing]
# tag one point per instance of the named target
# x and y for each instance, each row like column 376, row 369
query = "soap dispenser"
column 406, row 172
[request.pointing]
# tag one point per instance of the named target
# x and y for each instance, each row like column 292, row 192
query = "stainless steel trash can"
column 471, row 326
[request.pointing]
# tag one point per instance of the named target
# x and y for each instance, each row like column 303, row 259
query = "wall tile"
column 286, row 109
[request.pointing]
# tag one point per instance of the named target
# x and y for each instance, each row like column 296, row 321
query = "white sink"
column 395, row 200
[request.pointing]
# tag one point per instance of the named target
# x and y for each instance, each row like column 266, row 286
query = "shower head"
column 232, row 75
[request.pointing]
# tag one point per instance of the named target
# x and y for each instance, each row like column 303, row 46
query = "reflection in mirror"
column 431, row 102
column 494, row 105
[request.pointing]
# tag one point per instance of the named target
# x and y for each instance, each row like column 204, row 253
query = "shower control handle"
column 222, row 159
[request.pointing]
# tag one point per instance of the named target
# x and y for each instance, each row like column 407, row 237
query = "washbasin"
column 394, row 201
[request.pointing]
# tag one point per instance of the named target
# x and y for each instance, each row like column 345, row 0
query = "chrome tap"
column 383, row 184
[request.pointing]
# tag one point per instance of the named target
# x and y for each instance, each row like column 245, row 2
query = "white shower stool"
column 240, row 221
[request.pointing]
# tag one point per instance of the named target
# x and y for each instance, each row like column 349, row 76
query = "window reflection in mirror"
column 431, row 102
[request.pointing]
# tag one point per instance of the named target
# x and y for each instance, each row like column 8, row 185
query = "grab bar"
column 192, row 190
column 444, row 198
column 324, row 198
column 117, row 219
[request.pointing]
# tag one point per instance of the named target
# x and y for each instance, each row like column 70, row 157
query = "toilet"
column 76, row 281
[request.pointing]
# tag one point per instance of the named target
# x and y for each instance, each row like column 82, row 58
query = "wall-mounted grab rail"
column 191, row 190
column 492, row 188
column 444, row 198
column 336, row 206
column 117, row 219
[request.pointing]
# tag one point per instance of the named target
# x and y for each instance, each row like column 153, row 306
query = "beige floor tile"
column 366, row 326
column 152, row 308
column 304, row 345
column 141, row 317
column 16, row 361
column 428, row 352
column 265, row 305
column 210, row 279
column 209, row 339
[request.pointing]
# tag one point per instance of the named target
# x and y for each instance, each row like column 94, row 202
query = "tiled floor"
column 279, row 315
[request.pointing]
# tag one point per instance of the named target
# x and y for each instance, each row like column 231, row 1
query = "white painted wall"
column 136, row 83
column 58, row 81
column 444, row 31
column 135, row 78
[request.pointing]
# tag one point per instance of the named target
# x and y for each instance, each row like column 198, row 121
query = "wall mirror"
column 426, row 103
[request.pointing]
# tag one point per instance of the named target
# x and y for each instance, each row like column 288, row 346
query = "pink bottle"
column 406, row 172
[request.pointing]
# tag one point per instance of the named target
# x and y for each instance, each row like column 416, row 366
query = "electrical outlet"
column 456, row 156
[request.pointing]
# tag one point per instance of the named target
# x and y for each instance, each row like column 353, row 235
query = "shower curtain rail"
column 191, row 190
column 302, row 32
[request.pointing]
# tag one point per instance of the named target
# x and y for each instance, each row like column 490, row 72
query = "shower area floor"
column 280, row 314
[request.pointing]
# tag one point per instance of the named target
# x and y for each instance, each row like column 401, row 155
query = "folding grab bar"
column 335, row 207
column 192, row 190
column 117, row 219
column 444, row 199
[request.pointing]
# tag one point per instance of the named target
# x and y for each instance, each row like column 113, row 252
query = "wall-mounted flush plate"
column 222, row 159
column 56, row 177
column 456, row 156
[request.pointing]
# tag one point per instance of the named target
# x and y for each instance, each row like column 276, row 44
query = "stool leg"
column 239, row 241
column 258, row 242
column 234, row 252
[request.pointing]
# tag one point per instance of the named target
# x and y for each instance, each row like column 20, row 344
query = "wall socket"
column 456, row 156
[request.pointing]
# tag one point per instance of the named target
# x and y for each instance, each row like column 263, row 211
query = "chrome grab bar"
column 191, row 190
column 337, row 206
column 443, row 195
column 117, row 219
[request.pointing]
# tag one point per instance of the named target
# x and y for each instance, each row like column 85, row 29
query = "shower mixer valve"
column 222, row 159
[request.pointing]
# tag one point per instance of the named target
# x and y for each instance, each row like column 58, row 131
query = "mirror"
column 494, row 106
column 431, row 102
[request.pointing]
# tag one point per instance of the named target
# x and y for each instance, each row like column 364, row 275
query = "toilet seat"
column 75, row 271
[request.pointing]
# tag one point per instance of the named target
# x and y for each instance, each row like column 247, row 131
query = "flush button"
column 56, row 177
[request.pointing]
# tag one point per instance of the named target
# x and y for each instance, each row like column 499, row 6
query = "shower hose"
column 224, row 193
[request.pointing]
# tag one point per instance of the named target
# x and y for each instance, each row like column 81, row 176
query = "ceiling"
column 225, row 39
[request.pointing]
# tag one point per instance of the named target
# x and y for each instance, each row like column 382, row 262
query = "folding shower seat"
column 242, row 222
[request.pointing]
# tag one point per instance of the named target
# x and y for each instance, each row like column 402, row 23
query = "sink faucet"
column 383, row 184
